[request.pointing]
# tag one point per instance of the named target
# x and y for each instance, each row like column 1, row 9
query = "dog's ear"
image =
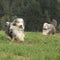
column 14, row 22
column 7, row 24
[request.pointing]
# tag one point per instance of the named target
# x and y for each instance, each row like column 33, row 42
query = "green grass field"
column 35, row 47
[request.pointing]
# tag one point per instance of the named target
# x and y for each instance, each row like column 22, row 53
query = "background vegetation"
column 34, row 12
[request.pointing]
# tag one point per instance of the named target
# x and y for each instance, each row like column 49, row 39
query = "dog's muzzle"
column 44, row 29
column 20, row 26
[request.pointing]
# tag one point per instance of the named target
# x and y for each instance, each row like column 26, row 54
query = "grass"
column 35, row 47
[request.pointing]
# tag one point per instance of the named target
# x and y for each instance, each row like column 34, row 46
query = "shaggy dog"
column 16, row 29
column 48, row 29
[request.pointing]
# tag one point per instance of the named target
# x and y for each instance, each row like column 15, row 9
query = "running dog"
column 16, row 29
column 48, row 29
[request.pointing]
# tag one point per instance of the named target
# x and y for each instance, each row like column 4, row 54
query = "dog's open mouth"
column 44, row 29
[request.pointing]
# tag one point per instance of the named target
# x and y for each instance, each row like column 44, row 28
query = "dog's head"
column 19, row 22
column 45, row 26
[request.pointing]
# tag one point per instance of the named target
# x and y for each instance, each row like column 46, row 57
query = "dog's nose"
column 20, row 26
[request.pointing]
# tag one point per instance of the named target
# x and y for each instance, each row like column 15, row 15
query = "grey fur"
column 48, row 29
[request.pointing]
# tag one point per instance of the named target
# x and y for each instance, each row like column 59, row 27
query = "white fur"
column 17, row 33
column 20, row 22
column 49, row 29
column 45, row 25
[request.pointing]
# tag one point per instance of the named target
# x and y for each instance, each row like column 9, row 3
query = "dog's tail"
column 54, row 22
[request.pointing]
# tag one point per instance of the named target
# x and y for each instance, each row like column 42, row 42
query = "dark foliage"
column 34, row 12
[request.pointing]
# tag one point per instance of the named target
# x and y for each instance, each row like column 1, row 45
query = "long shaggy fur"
column 15, row 30
column 48, row 29
column 7, row 30
column 17, row 33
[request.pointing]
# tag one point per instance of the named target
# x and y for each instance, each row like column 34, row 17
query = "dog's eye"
column 14, row 24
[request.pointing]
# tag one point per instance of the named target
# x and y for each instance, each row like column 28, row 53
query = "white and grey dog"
column 16, row 29
column 48, row 29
